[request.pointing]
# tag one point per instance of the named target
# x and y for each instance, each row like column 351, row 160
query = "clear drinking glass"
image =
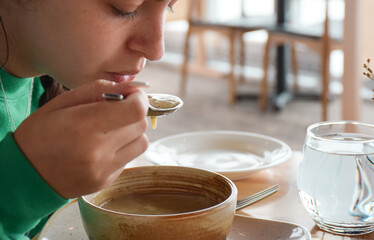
column 336, row 176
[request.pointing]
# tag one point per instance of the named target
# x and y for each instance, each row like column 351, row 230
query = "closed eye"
column 124, row 15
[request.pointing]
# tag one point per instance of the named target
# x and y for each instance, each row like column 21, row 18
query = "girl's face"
column 78, row 41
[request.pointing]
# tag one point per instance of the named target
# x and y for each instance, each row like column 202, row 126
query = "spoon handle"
column 112, row 96
column 119, row 97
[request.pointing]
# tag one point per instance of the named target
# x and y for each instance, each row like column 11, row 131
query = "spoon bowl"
column 157, row 110
column 153, row 111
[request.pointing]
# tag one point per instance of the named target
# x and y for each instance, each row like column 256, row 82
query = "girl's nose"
column 148, row 37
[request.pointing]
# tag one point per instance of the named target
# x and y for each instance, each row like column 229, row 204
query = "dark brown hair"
column 52, row 88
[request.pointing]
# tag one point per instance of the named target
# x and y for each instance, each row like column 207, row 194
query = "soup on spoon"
column 161, row 105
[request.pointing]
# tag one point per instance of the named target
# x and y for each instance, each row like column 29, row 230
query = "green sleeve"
column 25, row 198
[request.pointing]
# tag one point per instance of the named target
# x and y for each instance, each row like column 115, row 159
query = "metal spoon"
column 158, row 112
column 152, row 111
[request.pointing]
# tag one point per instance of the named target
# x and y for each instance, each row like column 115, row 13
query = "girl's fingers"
column 94, row 140
column 121, row 137
column 92, row 92
column 114, row 164
column 106, row 116
column 131, row 151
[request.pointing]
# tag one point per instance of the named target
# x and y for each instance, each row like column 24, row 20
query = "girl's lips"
column 118, row 78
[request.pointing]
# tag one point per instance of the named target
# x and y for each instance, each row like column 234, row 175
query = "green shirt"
column 25, row 198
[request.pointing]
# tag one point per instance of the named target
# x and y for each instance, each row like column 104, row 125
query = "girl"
column 76, row 143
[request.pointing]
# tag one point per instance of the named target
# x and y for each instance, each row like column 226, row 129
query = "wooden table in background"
column 285, row 205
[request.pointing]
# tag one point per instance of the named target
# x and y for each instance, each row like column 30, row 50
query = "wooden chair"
column 318, row 39
column 232, row 30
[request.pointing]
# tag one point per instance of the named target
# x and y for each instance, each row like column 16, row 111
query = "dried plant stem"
column 368, row 72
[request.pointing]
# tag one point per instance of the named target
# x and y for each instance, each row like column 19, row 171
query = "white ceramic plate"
column 66, row 224
column 233, row 154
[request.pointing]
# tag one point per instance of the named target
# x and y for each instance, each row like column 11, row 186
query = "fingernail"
column 139, row 84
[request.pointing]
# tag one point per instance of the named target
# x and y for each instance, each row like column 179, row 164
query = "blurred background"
column 271, row 67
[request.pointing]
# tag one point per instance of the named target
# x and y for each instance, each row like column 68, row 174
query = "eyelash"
column 132, row 15
column 124, row 15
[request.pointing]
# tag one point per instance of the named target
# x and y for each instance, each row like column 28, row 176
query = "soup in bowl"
column 161, row 202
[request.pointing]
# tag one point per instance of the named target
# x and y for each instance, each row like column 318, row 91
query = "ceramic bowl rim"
column 216, row 207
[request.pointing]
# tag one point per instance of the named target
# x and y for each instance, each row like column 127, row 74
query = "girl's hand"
column 80, row 143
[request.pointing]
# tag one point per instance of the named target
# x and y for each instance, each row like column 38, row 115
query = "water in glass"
column 336, row 182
